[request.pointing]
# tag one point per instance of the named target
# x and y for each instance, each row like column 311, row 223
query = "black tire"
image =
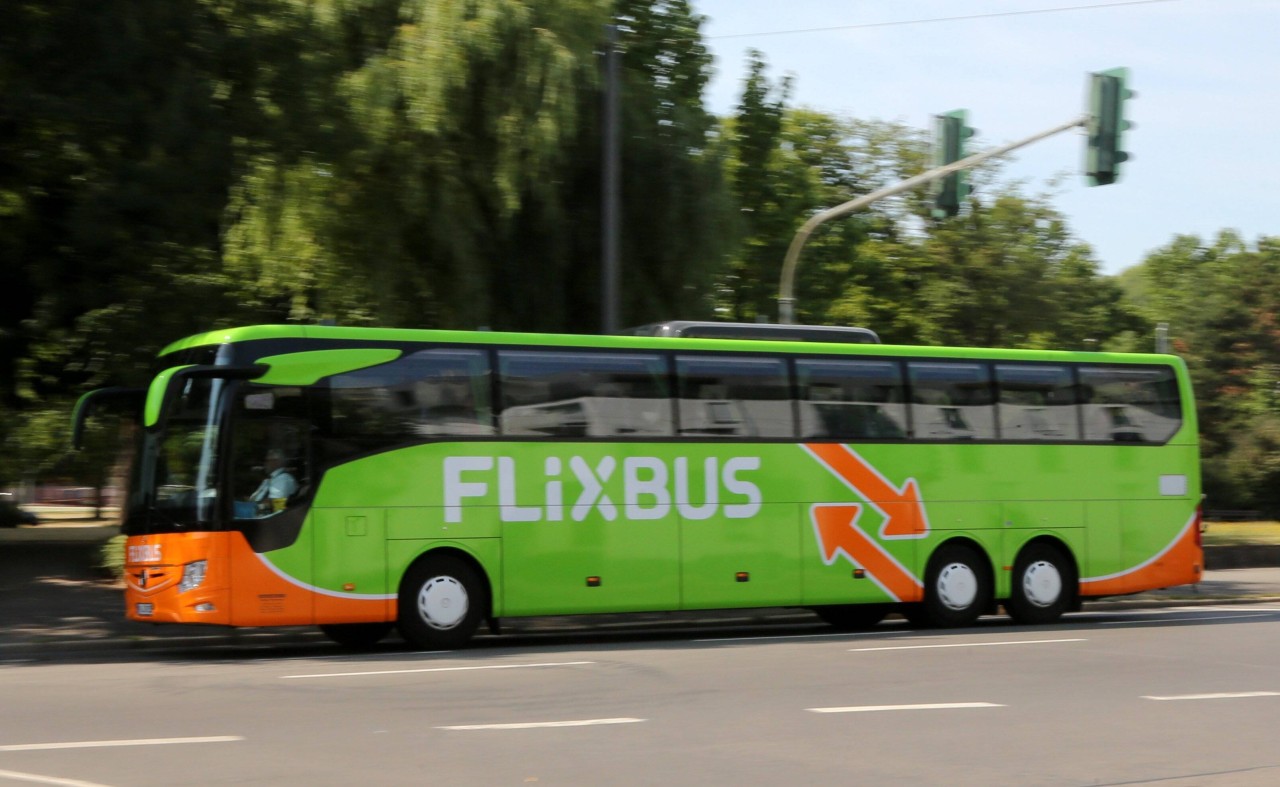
column 356, row 635
column 852, row 617
column 1044, row 585
column 957, row 587
column 442, row 601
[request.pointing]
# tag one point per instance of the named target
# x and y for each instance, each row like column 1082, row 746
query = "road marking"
column 534, row 724
column 808, row 636
column 1179, row 620
column 38, row 779
column 440, row 669
column 106, row 744
column 1222, row 696
column 930, row 706
column 969, row 644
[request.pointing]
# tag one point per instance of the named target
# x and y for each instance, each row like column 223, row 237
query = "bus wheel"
column 356, row 635
column 441, row 603
column 852, row 617
column 1043, row 585
column 958, row 588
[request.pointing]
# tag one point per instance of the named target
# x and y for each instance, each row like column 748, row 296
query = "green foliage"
column 173, row 166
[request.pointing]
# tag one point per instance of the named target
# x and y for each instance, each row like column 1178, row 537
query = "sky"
column 1205, row 152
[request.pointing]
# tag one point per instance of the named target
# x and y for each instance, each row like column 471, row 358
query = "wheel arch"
column 460, row 554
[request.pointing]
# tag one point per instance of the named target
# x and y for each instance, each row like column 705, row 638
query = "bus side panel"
column 742, row 562
column 272, row 588
column 349, row 547
column 611, row 543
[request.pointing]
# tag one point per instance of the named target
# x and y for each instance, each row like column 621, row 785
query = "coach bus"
column 443, row 479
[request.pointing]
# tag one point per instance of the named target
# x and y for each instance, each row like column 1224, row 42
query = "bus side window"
column 851, row 399
column 1037, row 402
column 1131, row 404
column 951, row 401
column 584, row 394
column 734, row 396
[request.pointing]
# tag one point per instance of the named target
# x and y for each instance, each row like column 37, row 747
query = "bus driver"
column 275, row 489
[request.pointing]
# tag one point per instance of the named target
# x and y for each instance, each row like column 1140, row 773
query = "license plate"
column 145, row 610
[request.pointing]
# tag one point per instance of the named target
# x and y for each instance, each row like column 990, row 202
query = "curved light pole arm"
column 786, row 299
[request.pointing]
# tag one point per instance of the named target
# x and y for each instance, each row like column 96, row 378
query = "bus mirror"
column 173, row 380
column 129, row 399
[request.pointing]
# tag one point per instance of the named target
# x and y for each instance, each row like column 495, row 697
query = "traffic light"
column 1108, row 91
column 950, row 134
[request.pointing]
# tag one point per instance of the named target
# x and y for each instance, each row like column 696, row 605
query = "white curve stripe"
column 36, row 778
column 109, row 744
column 441, row 669
column 1190, row 524
column 322, row 591
column 927, row 706
column 529, row 725
column 1221, row 696
column 970, row 644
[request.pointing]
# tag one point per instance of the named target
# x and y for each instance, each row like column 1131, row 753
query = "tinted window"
column 1037, row 402
column 1129, row 404
column 430, row 393
column 951, row 401
column 852, row 400
column 736, row 396
column 578, row 394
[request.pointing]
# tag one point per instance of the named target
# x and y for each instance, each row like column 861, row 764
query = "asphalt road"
column 1168, row 696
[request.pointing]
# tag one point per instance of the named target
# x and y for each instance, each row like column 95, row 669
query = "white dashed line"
column 970, row 644
column 536, row 724
column 38, row 779
column 440, row 669
column 108, row 744
column 929, row 706
column 1221, row 696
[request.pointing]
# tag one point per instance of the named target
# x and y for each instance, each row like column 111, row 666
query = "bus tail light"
column 1199, row 526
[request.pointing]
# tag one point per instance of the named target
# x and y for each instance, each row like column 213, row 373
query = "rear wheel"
column 356, row 635
column 958, row 587
column 852, row 617
column 442, row 601
column 1044, row 582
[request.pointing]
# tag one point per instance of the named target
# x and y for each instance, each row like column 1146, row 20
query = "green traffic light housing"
column 1108, row 90
column 951, row 132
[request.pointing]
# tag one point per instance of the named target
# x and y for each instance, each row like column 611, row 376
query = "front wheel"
column 958, row 587
column 442, row 601
column 1044, row 582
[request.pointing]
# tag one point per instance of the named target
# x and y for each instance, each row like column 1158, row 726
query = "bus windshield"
column 174, row 478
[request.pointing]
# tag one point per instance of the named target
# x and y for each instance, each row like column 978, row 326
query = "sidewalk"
column 55, row 601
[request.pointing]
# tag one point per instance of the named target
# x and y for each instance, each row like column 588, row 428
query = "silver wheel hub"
column 1042, row 583
column 957, row 586
column 442, row 602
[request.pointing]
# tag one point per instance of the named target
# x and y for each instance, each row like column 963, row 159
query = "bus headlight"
column 192, row 575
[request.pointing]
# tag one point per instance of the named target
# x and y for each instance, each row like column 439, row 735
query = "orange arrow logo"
column 903, row 513
column 836, row 524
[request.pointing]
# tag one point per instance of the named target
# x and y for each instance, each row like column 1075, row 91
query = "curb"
column 221, row 636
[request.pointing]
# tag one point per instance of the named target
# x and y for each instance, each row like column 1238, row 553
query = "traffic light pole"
column 786, row 300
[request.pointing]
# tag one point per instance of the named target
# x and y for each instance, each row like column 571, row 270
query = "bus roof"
column 756, row 330
column 326, row 333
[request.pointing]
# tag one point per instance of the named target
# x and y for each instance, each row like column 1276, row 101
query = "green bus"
column 363, row 479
